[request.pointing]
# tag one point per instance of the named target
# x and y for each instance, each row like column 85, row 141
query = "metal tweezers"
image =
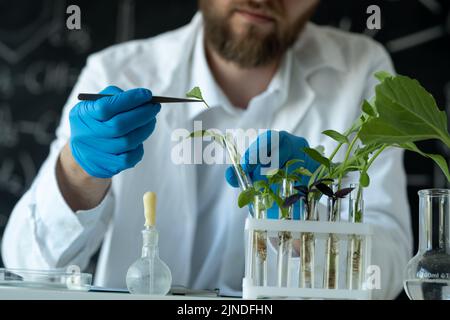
column 155, row 99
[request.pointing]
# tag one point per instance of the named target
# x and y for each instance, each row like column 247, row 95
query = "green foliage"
column 196, row 93
column 315, row 155
column 336, row 136
column 208, row 133
column 246, row 197
column 368, row 109
column 437, row 158
column 382, row 75
column 364, row 179
column 406, row 113
column 401, row 114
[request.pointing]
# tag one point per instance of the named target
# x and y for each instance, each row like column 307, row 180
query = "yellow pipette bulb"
column 150, row 209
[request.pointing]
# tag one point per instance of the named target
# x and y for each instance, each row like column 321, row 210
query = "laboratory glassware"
column 284, row 252
column 57, row 279
column 149, row 274
column 321, row 230
column 331, row 276
column 309, row 212
column 243, row 178
column 355, row 242
column 259, row 245
column 427, row 275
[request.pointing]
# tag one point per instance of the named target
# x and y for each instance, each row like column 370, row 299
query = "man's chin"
column 241, row 27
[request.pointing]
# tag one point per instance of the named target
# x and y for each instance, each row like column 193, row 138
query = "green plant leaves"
column 303, row 172
column 246, row 197
column 260, row 184
column 383, row 75
column 292, row 162
column 356, row 125
column 315, row 155
column 406, row 113
column 208, row 133
column 368, row 109
column 438, row 159
column 195, row 93
column 364, row 179
column 336, row 136
column 272, row 172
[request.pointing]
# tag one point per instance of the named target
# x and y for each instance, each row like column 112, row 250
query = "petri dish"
column 55, row 279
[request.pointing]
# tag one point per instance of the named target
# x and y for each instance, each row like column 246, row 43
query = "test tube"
column 284, row 239
column 307, row 246
column 259, row 253
column 331, row 277
column 243, row 179
column 354, row 256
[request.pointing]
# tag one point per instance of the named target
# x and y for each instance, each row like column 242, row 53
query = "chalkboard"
column 40, row 60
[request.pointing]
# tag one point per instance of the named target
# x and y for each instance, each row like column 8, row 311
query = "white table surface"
column 14, row 293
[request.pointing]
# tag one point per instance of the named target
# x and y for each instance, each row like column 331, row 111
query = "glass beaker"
column 427, row 275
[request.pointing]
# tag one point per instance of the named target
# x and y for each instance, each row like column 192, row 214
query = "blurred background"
column 40, row 60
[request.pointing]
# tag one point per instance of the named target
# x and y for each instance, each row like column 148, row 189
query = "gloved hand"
column 107, row 134
column 288, row 147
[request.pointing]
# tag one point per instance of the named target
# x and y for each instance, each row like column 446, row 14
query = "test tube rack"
column 321, row 231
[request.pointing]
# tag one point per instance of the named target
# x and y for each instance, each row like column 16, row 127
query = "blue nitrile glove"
column 107, row 134
column 287, row 147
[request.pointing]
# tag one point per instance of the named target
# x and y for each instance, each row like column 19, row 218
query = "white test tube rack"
column 321, row 231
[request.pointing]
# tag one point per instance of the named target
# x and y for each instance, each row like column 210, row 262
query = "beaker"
column 427, row 275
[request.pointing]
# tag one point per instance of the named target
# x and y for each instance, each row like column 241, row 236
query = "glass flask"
column 149, row 274
column 427, row 275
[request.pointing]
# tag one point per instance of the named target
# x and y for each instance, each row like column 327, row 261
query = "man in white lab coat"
column 260, row 64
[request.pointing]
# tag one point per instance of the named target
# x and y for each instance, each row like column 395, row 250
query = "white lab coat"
column 332, row 73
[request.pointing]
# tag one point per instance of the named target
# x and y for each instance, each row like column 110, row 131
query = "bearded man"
column 261, row 64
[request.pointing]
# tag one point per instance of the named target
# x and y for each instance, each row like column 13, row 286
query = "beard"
column 251, row 48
